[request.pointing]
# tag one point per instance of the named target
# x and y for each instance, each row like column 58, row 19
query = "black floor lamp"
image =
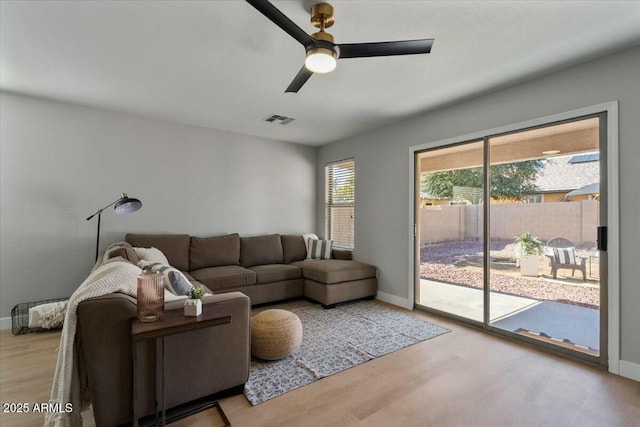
column 123, row 205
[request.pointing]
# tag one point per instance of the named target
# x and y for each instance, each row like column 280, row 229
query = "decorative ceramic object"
column 150, row 296
column 529, row 265
column 192, row 307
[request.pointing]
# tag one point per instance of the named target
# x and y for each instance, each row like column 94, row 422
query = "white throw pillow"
column 319, row 249
column 151, row 255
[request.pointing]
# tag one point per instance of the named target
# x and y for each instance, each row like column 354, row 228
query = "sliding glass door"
column 450, row 230
column 508, row 234
column 556, row 173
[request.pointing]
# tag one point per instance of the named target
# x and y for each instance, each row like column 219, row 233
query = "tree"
column 509, row 181
column 344, row 191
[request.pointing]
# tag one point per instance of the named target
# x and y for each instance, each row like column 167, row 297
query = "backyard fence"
column 576, row 221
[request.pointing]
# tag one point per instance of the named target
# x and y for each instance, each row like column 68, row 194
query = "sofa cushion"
column 224, row 277
column 335, row 270
column 293, row 248
column 191, row 279
column 214, row 251
column 174, row 246
column 261, row 250
column 276, row 273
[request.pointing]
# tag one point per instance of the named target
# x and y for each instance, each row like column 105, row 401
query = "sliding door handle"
column 602, row 238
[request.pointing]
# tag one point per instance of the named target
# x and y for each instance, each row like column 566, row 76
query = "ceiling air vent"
column 277, row 118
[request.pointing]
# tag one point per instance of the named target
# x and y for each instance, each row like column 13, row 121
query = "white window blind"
column 340, row 200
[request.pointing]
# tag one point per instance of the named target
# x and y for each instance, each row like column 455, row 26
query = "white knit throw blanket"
column 69, row 384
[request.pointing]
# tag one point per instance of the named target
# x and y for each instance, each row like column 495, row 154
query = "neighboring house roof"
column 559, row 174
column 566, row 173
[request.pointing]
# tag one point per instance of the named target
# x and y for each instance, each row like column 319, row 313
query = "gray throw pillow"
column 179, row 283
column 174, row 281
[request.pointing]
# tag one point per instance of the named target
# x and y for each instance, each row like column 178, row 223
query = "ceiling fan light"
column 320, row 60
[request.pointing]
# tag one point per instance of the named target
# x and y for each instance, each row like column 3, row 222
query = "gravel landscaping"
column 460, row 263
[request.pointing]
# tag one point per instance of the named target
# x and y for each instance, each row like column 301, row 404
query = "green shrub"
column 526, row 244
column 196, row 292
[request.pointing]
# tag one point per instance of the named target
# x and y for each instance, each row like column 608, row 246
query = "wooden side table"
column 170, row 323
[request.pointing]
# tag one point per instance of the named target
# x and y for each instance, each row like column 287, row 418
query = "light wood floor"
column 463, row 378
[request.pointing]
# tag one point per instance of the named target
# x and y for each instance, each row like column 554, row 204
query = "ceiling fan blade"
column 282, row 21
column 299, row 80
column 404, row 47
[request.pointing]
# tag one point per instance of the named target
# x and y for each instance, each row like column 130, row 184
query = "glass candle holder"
column 150, row 296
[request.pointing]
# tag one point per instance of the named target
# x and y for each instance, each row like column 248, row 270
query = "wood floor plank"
column 27, row 364
column 463, row 378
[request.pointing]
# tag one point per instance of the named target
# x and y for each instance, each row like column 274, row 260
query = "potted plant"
column 528, row 248
column 193, row 304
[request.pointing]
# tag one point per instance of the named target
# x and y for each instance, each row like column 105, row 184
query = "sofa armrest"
column 221, row 354
column 104, row 346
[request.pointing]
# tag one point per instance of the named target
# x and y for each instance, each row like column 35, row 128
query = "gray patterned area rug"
column 334, row 340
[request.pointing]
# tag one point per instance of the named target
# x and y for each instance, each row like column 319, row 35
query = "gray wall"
column 62, row 162
column 382, row 165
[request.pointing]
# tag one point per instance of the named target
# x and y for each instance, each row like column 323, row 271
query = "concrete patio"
column 579, row 325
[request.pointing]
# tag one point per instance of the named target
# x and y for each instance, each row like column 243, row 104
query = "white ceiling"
column 222, row 65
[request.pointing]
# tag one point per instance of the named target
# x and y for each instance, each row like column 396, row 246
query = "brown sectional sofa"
column 265, row 268
column 212, row 362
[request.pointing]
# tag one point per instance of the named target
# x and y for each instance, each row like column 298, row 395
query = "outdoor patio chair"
column 562, row 254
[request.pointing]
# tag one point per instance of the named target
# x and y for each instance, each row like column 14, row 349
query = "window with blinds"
column 340, row 201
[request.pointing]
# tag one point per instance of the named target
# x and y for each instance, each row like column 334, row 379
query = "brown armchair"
column 562, row 254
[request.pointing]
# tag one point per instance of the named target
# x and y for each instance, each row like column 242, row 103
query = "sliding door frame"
column 610, row 353
column 602, row 357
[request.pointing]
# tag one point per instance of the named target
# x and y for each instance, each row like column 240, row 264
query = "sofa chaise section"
column 333, row 281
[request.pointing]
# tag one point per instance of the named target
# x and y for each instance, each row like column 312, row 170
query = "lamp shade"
column 127, row 204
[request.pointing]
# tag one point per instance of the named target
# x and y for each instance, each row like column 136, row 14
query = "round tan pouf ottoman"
column 275, row 334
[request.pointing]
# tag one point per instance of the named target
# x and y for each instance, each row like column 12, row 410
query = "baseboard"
column 395, row 300
column 630, row 370
column 5, row 323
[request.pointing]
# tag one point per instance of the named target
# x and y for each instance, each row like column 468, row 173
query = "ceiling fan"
column 322, row 52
